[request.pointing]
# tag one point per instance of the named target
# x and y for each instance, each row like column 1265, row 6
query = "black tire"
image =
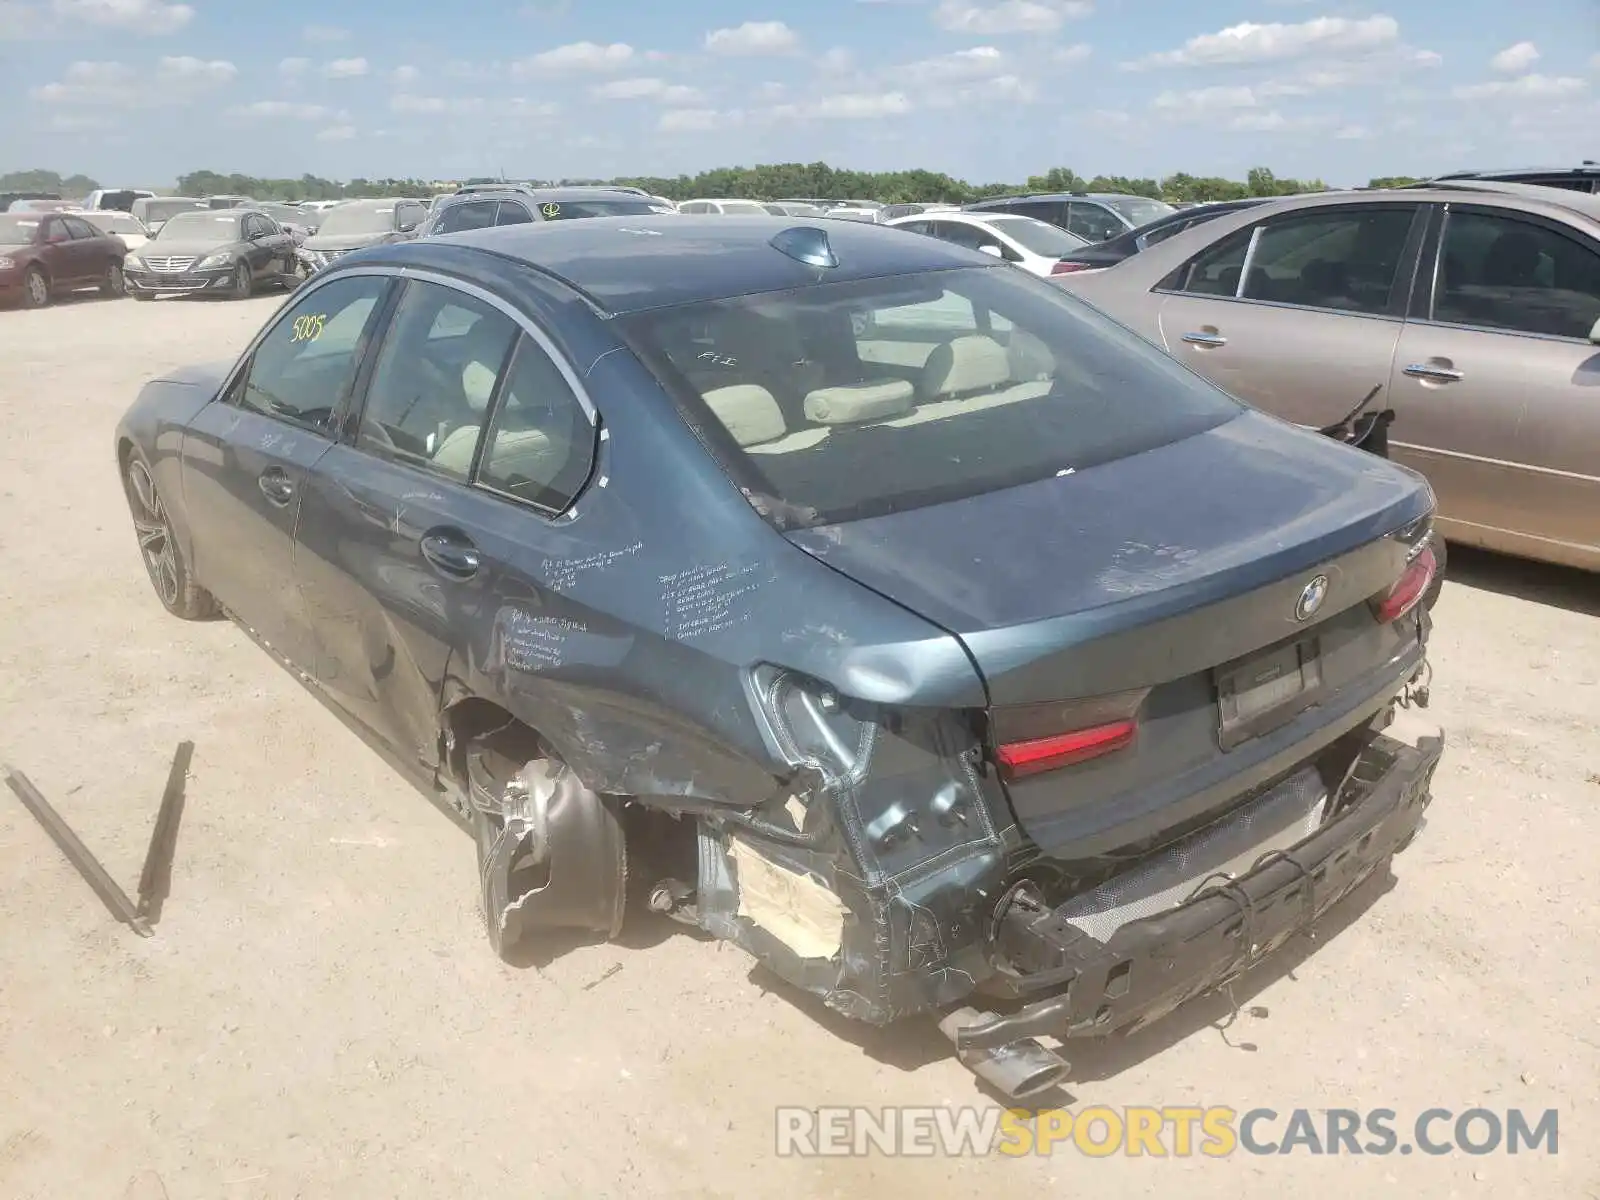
column 35, row 289
column 169, row 573
column 243, row 283
column 113, row 284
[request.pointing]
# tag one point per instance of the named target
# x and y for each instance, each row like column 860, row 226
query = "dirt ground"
column 319, row 1014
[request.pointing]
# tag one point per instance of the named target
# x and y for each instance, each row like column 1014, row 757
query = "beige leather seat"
column 963, row 366
column 750, row 413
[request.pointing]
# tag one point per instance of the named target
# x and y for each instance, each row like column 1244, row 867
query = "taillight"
column 1018, row 760
column 1408, row 589
column 1066, row 268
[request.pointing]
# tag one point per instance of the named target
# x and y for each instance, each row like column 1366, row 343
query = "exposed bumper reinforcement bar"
column 1149, row 967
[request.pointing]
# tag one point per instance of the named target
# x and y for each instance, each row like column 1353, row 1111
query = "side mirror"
column 1594, row 334
column 409, row 226
column 991, row 250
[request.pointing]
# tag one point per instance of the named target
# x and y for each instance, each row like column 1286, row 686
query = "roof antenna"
column 806, row 244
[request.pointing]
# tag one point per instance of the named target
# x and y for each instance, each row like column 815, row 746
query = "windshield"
column 283, row 212
column 841, row 401
column 163, row 210
column 114, row 222
column 357, row 220
column 200, row 227
column 17, row 231
column 567, row 210
column 1038, row 237
column 1138, row 212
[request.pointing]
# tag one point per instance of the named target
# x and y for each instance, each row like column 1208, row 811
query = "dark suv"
column 1096, row 216
column 1583, row 178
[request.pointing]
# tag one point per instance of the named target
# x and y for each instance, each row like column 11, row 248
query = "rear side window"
column 512, row 213
column 841, row 401
column 1500, row 273
column 1346, row 260
column 437, row 372
column 540, row 447
column 1093, row 222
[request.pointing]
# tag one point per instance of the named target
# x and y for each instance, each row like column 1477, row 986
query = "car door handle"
column 1209, row 340
column 451, row 552
column 1431, row 372
column 276, row 486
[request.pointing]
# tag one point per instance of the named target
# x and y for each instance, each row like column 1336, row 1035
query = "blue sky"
column 138, row 91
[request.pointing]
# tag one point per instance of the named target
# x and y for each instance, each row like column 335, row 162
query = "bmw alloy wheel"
column 155, row 533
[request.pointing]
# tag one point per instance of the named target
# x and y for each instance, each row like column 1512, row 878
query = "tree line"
column 765, row 182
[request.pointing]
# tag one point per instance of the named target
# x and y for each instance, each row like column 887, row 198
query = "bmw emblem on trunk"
column 1311, row 598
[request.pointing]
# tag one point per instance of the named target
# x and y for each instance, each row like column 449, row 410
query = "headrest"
column 477, row 381
column 964, row 365
column 861, row 402
column 1030, row 359
column 749, row 413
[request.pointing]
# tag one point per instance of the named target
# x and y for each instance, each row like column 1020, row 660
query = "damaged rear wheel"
column 551, row 852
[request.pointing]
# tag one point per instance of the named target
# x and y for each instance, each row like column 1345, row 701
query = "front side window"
column 840, row 401
column 1501, row 273
column 440, row 364
column 540, row 446
column 80, row 229
column 476, row 214
column 512, row 213
column 1093, row 222
column 303, row 369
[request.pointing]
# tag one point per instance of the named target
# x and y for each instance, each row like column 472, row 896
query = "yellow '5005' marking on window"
column 308, row 328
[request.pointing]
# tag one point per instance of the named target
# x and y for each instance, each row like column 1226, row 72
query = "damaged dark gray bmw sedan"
column 853, row 596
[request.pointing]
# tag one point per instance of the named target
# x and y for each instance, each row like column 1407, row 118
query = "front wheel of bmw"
column 169, row 573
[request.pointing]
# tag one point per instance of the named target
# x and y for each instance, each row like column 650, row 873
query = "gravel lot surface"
column 319, row 1014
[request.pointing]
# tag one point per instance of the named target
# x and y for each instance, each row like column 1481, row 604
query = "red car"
column 45, row 254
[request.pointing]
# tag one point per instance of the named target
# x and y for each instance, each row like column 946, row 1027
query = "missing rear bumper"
column 1149, row 966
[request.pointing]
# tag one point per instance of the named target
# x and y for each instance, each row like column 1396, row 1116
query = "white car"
column 125, row 225
column 1034, row 245
column 750, row 208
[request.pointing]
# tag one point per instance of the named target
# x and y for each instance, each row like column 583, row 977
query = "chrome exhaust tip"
column 1019, row 1070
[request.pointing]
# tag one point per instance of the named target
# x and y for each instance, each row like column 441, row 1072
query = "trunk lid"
column 1145, row 576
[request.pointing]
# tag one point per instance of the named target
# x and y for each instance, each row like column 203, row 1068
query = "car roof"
column 629, row 264
column 1583, row 203
column 557, row 194
column 1587, row 168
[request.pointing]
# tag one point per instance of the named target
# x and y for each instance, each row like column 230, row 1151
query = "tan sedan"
column 1474, row 307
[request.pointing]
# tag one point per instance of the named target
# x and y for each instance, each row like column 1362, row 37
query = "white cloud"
column 836, row 61
column 1263, row 122
column 337, row 133
column 1353, row 133
column 345, row 68
column 324, row 35
column 136, row 16
column 847, row 106
column 294, row 66
column 579, row 56
column 283, row 110
column 1528, row 87
column 176, row 80
column 1008, row 16
column 754, row 37
column 1072, row 54
column 404, row 75
column 80, row 122
column 405, row 102
column 1205, row 100
column 647, row 89
column 976, row 63
column 1252, row 43
column 689, row 120
column 1515, row 59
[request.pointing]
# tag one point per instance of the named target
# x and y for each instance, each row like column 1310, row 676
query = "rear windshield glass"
column 1040, row 237
column 1140, row 212
column 357, row 220
column 849, row 400
column 161, row 210
column 18, row 231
